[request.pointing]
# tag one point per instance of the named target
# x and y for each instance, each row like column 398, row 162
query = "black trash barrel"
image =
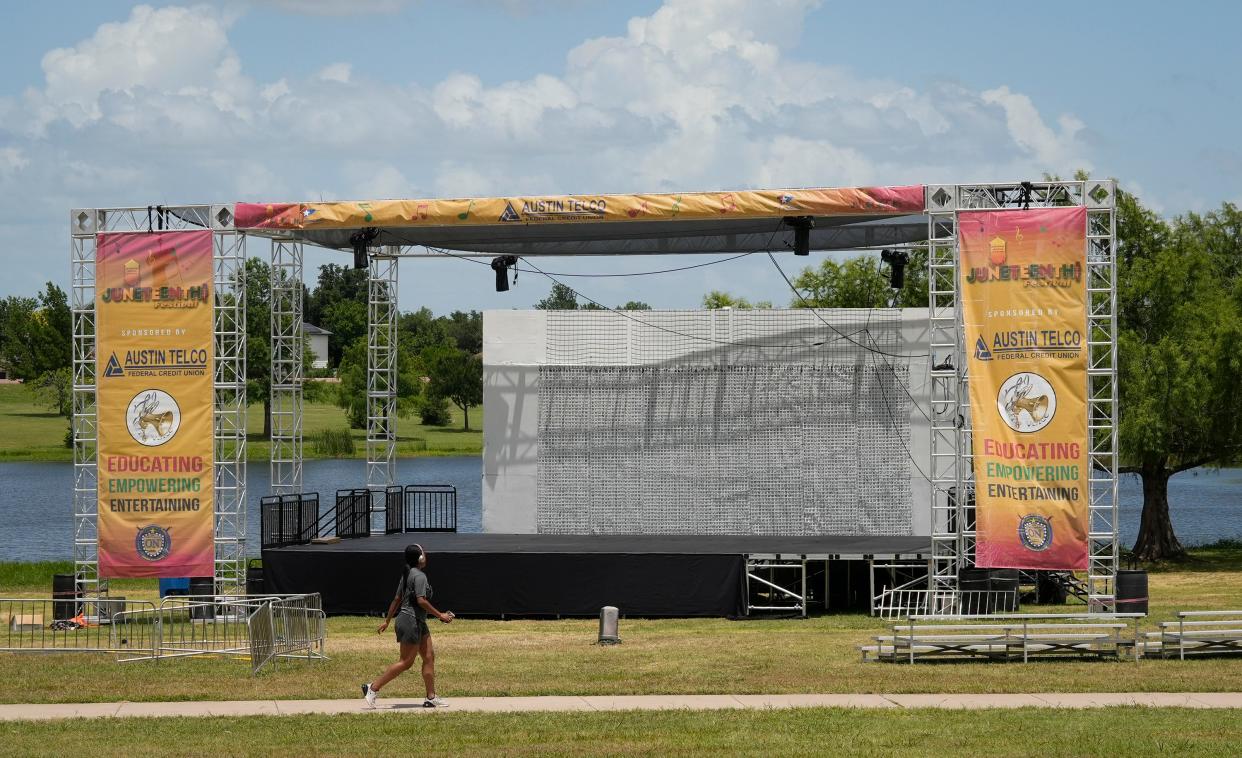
column 1131, row 592
column 254, row 577
column 975, row 584
column 201, row 588
column 65, row 596
column 1004, row 586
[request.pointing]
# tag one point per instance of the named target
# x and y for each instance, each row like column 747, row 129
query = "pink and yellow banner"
column 553, row 209
column 1024, row 299
column 154, row 377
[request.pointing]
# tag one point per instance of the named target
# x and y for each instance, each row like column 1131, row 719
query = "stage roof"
column 670, row 223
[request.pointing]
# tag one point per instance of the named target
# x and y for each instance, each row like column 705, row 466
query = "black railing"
column 296, row 519
column 289, row 519
column 422, row 508
column 394, row 508
column 353, row 513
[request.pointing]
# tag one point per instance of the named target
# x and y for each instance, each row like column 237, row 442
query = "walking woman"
column 411, row 606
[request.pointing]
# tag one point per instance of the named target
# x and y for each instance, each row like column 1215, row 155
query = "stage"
column 499, row 575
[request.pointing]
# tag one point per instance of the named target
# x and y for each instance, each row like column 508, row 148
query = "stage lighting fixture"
column 896, row 260
column 802, row 226
column 1024, row 195
column 360, row 240
column 500, row 265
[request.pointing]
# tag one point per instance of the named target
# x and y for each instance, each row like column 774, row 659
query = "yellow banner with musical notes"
column 154, row 341
column 1024, row 309
column 554, row 209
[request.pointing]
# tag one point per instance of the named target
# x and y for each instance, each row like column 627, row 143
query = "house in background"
column 318, row 340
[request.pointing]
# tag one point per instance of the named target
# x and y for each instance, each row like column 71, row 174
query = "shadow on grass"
column 1222, row 555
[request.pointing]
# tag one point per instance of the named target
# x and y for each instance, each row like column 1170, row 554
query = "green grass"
column 918, row 732
column 30, row 433
column 666, row 656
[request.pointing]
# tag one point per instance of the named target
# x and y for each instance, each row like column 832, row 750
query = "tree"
column 36, row 334
column 259, row 336
column 634, row 305
column 54, row 390
column 562, row 298
column 347, row 320
column 456, row 375
column 861, row 282
column 420, row 329
column 1179, row 356
column 339, row 304
column 465, row 330
column 717, row 299
column 352, row 391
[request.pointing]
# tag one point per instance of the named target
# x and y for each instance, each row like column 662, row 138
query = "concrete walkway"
column 43, row 712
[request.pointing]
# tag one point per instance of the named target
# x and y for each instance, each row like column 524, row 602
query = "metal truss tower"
column 952, row 477
column 286, row 368
column 382, row 370
column 229, row 265
column 229, row 393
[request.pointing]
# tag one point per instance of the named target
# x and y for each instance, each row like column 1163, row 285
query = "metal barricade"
column 899, row 603
column 103, row 625
column 289, row 627
column 260, row 629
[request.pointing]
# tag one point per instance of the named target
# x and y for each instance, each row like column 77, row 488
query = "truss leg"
column 953, row 528
column 381, row 371
column 83, row 226
column 286, row 376
column 1100, row 199
column 229, row 262
column 948, row 398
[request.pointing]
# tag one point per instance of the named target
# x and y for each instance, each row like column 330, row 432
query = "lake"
column 36, row 507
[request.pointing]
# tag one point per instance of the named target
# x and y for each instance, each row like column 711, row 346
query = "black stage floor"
column 557, row 575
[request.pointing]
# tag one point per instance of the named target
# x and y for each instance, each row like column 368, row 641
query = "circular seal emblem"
column 153, row 542
column 1026, row 402
column 1035, row 532
column 153, row 417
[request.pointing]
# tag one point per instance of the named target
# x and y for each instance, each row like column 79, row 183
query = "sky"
column 106, row 104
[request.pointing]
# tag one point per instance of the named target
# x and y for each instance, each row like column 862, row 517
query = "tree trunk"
column 267, row 416
column 466, row 410
column 1156, row 540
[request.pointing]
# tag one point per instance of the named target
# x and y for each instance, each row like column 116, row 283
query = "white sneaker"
column 369, row 695
column 435, row 701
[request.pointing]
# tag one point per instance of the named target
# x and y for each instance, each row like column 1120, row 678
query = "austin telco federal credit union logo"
column 153, row 417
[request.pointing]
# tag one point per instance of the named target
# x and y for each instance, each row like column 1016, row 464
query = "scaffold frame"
column 285, row 457
column 381, row 370
column 953, row 528
column 229, row 381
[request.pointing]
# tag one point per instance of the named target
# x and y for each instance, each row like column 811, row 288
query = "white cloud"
column 12, row 160
column 337, row 72
column 159, row 107
column 337, row 7
column 172, row 51
column 1055, row 147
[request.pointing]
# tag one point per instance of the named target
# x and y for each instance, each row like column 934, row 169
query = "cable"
column 804, row 301
column 889, row 410
column 867, row 330
column 624, row 314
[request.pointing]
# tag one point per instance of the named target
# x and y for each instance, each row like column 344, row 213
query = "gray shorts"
column 410, row 629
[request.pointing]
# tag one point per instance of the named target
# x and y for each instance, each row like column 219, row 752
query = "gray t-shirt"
column 413, row 586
